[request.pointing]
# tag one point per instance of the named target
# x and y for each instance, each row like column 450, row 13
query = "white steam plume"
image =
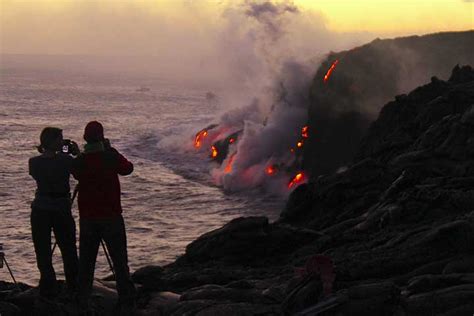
column 276, row 51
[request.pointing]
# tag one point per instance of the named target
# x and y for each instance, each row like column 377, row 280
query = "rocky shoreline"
column 391, row 234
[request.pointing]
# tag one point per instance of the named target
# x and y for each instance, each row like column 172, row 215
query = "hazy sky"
column 158, row 27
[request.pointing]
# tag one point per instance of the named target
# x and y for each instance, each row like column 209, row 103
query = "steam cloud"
column 278, row 48
column 268, row 14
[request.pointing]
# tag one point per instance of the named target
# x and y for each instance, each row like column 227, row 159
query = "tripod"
column 3, row 259
column 109, row 261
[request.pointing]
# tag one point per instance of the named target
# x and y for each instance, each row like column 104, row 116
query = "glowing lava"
column 331, row 69
column 199, row 138
column 296, row 180
column 270, row 170
column 304, row 132
column 228, row 168
column 214, row 152
column 304, row 135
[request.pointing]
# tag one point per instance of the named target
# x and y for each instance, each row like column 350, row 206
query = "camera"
column 67, row 147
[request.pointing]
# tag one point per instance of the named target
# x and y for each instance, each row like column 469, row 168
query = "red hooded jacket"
column 99, row 185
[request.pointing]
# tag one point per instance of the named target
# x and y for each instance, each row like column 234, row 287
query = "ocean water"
column 168, row 201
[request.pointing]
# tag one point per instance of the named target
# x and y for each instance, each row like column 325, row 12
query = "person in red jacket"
column 100, row 213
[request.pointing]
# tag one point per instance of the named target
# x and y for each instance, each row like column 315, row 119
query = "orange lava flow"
column 331, row 69
column 214, row 152
column 304, row 132
column 199, row 137
column 270, row 170
column 296, row 180
column 228, row 168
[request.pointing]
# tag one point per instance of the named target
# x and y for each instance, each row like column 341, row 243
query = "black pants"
column 112, row 232
column 64, row 227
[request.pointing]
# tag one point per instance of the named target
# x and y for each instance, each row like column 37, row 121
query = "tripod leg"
column 54, row 247
column 11, row 273
column 9, row 270
column 108, row 257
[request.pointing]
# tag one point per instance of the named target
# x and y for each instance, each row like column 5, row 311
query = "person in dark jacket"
column 51, row 210
column 100, row 211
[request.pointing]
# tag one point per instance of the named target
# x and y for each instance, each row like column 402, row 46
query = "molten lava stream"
column 199, row 138
column 214, row 152
column 270, row 170
column 304, row 132
column 331, row 69
column 228, row 167
column 298, row 179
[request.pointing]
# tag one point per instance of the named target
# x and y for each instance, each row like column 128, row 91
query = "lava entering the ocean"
column 199, row 137
column 228, row 167
column 223, row 144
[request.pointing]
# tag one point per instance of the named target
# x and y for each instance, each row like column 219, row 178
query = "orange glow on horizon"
column 56, row 27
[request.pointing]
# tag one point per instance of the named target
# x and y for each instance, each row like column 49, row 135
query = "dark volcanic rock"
column 149, row 276
column 366, row 78
column 220, row 293
column 9, row 309
column 247, row 240
column 397, row 226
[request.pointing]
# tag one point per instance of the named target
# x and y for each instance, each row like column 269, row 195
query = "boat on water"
column 143, row 89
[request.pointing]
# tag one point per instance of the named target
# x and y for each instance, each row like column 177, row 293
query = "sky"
column 395, row 17
column 233, row 41
column 128, row 27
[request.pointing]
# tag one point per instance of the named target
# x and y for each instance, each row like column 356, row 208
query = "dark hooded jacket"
column 97, row 171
